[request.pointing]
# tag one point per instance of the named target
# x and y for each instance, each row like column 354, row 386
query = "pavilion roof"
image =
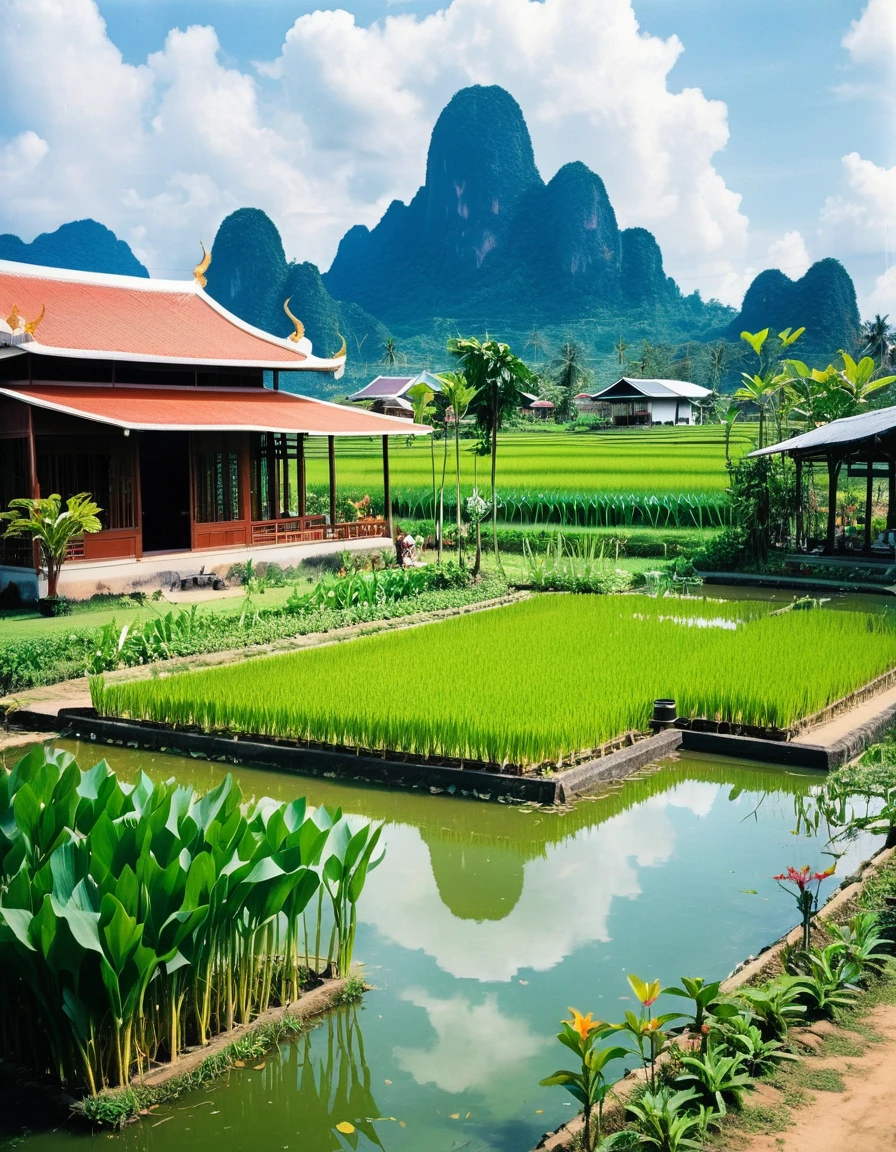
column 100, row 316
column 838, row 434
column 209, row 409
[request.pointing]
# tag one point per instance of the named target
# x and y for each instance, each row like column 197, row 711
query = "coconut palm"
column 458, row 395
column 391, row 355
column 620, row 348
column 878, row 335
column 499, row 378
column 570, row 375
column 53, row 529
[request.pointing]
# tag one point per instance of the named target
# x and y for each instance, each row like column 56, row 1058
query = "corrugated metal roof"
column 839, row 432
column 659, row 389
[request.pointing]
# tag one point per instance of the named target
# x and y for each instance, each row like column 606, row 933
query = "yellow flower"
column 584, row 1025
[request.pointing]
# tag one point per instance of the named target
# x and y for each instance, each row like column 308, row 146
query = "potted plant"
column 53, row 528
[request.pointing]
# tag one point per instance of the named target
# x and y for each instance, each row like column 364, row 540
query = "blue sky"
column 743, row 134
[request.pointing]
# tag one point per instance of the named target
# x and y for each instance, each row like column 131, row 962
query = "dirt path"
column 860, row 1119
column 842, row 725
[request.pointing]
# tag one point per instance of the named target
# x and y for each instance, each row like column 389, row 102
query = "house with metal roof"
column 864, row 445
column 634, row 401
column 151, row 397
column 388, row 394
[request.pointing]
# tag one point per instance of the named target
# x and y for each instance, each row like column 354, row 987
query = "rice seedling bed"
column 539, row 684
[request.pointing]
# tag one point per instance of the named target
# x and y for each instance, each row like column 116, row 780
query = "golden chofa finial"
column 31, row 325
column 202, row 267
column 13, row 318
column 341, row 353
column 297, row 323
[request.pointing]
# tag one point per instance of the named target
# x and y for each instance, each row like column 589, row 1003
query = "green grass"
column 536, row 682
column 651, row 460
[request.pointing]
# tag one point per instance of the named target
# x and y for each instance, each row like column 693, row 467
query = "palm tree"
column 877, row 334
column 498, row 377
column 458, row 396
column 570, row 375
column 421, row 397
column 391, row 356
column 46, row 523
column 535, row 342
column 619, row 347
column 762, row 387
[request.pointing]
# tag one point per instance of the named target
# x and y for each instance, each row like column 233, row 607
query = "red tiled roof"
column 210, row 409
column 126, row 317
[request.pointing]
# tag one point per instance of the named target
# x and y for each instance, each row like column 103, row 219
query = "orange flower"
column 584, row 1025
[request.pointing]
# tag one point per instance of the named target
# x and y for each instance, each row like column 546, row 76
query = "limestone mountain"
column 250, row 275
column 485, row 236
column 81, row 245
column 823, row 300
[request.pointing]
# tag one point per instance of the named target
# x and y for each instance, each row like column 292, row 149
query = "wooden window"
column 217, row 486
column 107, row 477
column 276, row 476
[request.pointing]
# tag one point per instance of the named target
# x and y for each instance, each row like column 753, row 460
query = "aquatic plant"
column 137, row 919
column 555, row 677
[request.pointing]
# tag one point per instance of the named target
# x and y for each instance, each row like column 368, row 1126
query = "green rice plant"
column 582, row 565
column 540, row 682
column 137, row 919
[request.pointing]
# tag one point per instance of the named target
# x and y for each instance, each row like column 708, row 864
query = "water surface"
column 483, row 924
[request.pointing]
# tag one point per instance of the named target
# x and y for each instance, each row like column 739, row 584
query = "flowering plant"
column 798, row 882
column 589, row 1085
column 646, row 1028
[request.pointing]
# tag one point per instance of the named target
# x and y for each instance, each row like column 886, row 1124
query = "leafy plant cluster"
column 583, row 565
column 652, row 543
column 699, row 1064
column 137, row 919
column 586, row 509
column 63, row 655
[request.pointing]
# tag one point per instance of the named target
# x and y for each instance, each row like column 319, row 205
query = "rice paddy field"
column 643, row 460
column 539, row 682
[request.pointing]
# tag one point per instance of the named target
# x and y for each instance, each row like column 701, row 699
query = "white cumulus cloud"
column 334, row 128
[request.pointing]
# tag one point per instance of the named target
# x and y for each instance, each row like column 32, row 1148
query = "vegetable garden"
column 555, row 677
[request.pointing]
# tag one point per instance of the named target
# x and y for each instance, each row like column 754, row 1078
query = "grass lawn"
column 540, row 681
column 650, row 460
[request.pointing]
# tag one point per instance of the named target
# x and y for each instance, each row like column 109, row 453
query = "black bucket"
column 664, row 714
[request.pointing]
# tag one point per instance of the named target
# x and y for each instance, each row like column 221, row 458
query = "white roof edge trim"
column 54, row 406
column 310, row 363
column 104, row 279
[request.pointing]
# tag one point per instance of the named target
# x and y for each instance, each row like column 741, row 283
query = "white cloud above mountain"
column 327, row 134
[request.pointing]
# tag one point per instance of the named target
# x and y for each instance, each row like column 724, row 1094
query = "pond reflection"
column 483, row 923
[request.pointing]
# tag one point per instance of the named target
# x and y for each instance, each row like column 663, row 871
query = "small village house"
column 633, row 401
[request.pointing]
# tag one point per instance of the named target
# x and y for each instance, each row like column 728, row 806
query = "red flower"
column 804, row 876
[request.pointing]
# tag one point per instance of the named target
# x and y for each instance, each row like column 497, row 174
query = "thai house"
column 634, row 401
column 389, row 394
column 152, row 397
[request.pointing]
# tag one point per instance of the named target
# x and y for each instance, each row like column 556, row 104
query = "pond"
column 481, row 926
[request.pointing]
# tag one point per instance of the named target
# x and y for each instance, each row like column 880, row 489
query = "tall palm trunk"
column 494, row 466
column 457, row 483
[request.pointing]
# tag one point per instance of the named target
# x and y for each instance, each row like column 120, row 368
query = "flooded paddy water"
column 482, row 925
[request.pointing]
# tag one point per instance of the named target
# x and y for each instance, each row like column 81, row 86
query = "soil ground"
column 842, row 1096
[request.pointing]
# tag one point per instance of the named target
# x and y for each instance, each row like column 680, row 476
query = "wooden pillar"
column 32, row 476
column 300, row 474
column 138, row 496
column 799, row 503
column 869, row 501
column 331, row 452
column 833, row 477
column 284, row 452
column 276, row 379
column 387, row 491
column 891, row 494
column 273, row 478
column 244, row 458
